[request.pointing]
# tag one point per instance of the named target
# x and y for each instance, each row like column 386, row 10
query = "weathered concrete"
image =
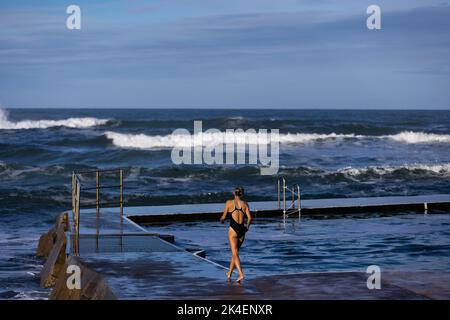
column 48, row 239
column 180, row 276
column 431, row 284
column 55, row 260
column 331, row 286
column 118, row 243
column 93, row 285
column 53, row 246
column 121, row 259
column 46, row 242
column 63, row 220
column 328, row 207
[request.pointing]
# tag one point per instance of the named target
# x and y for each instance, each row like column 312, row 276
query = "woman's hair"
column 239, row 191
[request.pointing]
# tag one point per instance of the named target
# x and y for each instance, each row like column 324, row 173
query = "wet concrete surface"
column 184, row 276
column 434, row 284
column 107, row 221
column 139, row 265
column 100, row 244
column 165, row 276
column 205, row 208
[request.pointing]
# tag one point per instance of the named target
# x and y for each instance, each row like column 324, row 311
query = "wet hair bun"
column 239, row 191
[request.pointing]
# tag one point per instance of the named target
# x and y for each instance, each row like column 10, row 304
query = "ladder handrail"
column 279, row 181
column 295, row 195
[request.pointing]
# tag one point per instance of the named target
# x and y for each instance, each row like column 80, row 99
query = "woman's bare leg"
column 235, row 256
column 232, row 265
column 230, row 271
column 240, row 241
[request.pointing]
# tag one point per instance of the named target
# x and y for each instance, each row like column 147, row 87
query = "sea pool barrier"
column 279, row 208
column 120, row 259
column 311, row 207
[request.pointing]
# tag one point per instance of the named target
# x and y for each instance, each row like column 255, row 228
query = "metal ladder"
column 295, row 192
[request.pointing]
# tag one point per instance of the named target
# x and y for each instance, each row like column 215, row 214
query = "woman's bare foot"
column 240, row 278
column 228, row 275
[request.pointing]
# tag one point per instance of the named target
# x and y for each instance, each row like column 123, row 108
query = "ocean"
column 330, row 153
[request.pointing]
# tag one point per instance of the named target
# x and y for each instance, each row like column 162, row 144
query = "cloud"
column 122, row 47
column 42, row 38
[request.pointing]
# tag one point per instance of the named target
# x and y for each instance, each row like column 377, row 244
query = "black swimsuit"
column 239, row 228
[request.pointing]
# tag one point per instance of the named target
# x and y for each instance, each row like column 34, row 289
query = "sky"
column 225, row 54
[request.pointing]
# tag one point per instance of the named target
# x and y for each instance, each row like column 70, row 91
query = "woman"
column 236, row 233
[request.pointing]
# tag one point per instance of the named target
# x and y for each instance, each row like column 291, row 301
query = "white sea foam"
column 443, row 168
column 30, row 295
column 44, row 124
column 142, row 141
column 420, row 137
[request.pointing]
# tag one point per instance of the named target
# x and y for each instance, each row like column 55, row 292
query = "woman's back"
column 236, row 210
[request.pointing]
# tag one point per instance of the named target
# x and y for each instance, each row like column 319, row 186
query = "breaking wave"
column 87, row 122
column 420, row 137
column 143, row 141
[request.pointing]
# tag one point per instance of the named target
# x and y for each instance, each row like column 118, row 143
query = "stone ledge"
column 52, row 245
column 48, row 240
column 93, row 285
column 55, row 261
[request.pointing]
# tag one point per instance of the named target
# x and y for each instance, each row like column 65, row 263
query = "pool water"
column 409, row 242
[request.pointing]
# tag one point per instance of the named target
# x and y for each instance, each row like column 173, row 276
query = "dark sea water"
column 329, row 153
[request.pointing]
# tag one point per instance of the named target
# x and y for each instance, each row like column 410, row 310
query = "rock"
column 56, row 259
column 63, row 219
column 54, row 274
column 46, row 242
column 93, row 285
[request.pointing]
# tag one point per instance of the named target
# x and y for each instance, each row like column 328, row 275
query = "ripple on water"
column 395, row 242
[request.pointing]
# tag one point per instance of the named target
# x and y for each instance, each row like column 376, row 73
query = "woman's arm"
column 249, row 215
column 225, row 212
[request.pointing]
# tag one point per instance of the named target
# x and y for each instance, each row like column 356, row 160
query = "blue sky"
column 225, row 54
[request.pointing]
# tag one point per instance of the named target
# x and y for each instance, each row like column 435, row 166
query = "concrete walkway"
column 339, row 206
column 184, row 276
column 140, row 265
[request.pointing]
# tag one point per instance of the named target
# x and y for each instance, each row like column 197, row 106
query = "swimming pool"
column 408, row 241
